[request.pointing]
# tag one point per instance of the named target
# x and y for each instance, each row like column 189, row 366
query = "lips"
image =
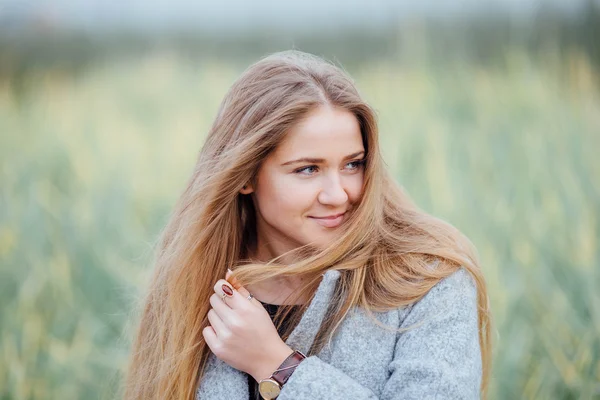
column 330, row 221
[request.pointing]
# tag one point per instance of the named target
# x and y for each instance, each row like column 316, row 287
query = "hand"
column 241, row 332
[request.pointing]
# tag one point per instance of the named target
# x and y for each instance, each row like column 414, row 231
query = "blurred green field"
column 90, row 166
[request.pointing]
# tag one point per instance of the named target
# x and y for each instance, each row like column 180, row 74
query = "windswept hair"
column 385, row 250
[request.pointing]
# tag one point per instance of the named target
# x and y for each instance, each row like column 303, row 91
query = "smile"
column 330, row 221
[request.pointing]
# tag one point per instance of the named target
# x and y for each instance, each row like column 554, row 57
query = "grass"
column 90, row 166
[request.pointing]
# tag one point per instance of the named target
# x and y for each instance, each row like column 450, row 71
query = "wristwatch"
column 269, row 388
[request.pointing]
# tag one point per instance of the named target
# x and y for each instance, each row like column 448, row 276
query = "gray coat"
column 438, row 359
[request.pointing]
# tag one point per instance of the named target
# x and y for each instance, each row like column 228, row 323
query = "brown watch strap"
column 282, row 374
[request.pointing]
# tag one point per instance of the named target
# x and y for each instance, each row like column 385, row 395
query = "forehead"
column 325, row 131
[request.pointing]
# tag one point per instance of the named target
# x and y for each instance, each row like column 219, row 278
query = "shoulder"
column 460, row 283
column 452, row 298
column 437, row 351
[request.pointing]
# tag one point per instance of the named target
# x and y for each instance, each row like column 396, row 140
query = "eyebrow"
column 319, row 160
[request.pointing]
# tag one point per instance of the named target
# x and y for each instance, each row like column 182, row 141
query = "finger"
column 235, row 283
column 216, row 323
column 210, row 337
column 236, row 299
column 231, row 318
column 223, row 310
column 241, row 289
column 220, row 290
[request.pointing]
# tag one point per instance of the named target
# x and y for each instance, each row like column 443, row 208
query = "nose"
column 333, row 192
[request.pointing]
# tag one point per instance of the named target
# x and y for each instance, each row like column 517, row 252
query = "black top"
column 252, row 384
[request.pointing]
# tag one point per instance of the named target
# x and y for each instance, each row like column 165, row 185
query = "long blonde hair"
column 384, row 252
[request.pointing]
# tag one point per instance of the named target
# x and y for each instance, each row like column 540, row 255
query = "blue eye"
column 311, row 169
column 299, row 171
column 357, row 163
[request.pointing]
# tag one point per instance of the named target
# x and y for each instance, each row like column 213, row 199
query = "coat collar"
column 222, row 381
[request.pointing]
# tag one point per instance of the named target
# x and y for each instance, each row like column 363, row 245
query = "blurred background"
column 489, row 114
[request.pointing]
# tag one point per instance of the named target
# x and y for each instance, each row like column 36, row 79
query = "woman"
column 340, row 287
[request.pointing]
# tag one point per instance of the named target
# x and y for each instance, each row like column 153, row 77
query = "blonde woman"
column 294, row 267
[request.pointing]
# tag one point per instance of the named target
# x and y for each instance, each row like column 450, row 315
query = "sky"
column 240, row 15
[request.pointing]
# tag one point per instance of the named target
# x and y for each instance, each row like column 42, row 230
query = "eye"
column 309, row 169
column 356, row 164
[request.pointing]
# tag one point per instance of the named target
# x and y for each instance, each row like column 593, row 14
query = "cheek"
column 285, row 197
column 354, row 188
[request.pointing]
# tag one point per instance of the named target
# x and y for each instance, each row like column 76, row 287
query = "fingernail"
column 230, row 271
column 227, row 290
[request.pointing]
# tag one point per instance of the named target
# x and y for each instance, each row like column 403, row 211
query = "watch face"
column 269, row 389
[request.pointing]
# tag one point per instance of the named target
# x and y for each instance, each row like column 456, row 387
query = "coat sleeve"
column 439, row 358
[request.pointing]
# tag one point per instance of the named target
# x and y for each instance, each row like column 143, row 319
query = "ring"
column 223, row 296
column 250, row 296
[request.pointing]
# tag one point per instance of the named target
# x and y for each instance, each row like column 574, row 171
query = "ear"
column 247, row 189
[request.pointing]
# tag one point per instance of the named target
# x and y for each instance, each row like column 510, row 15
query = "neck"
column 275, row 290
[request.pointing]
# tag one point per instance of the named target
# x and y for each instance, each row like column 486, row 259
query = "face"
column 306, row 187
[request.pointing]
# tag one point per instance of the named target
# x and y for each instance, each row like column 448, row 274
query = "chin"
column 321, row 241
